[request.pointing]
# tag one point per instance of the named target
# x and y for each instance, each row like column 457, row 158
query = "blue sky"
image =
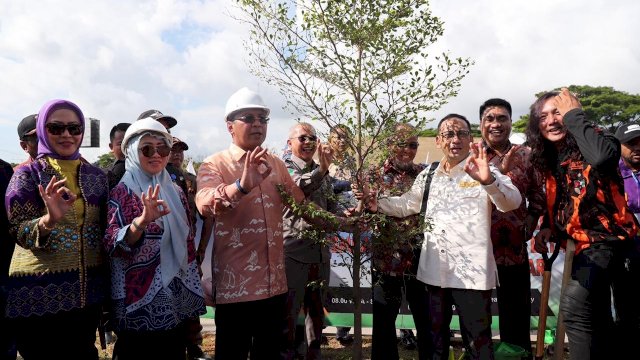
column 116, row 59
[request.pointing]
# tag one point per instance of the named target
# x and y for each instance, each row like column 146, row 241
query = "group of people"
column 81, row 240
column 84, row 240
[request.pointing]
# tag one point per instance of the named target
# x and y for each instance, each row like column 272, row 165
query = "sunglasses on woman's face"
column 150, row 150
column 58, row 129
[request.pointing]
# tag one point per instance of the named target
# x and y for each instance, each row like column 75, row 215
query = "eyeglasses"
column 461, row 134
column 150, row 150
column 304, row 138
column 249, row 119
column 58, row 129
column 411, row 145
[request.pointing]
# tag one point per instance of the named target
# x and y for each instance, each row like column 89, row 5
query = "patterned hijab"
column 173, row 246
column 44, row 148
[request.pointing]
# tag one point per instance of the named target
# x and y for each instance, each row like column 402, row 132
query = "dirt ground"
column 333, row 351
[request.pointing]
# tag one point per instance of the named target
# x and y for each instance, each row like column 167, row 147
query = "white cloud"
column 116, row 59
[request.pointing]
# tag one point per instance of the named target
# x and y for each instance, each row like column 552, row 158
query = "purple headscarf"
column 44, row 148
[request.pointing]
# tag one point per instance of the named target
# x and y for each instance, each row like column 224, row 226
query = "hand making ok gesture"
column 256, row 168
column 57, row 198
column 477, row 165
column 153, row 207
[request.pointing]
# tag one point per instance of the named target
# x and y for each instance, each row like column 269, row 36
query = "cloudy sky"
column 118, row 58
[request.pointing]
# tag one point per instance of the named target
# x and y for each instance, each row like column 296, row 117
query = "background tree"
column 105, row 160
column 521, row 125
column 361, row 63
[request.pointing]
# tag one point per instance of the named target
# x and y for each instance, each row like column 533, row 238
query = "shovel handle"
column 544, row 298
column 542, row 316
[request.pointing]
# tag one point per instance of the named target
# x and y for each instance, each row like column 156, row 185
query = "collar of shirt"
column 459, row 166
column 236, row 152
column 389, row 167
column 492, row 151
column 301, row 164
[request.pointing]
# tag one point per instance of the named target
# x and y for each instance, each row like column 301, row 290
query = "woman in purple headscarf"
column 57, row 209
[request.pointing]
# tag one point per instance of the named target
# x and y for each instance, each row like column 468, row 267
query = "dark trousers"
column 65, row 335
column 474, row 312
column 586, row 302
column 387, row 299
column 7, row 339
column 626, row 302
column 166, row 344
column 251, row 327
column 514, row 304
column 305, row 292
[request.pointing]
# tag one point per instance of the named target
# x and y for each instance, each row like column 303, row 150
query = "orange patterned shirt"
column 248, row 248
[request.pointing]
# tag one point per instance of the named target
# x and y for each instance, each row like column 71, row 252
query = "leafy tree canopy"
column 105, row 160
column 362, row 63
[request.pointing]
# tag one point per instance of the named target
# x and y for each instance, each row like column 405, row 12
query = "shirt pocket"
column 468, row 201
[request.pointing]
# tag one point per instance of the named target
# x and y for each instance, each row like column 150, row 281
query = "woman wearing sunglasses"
column 155, row 284
column 58, row 276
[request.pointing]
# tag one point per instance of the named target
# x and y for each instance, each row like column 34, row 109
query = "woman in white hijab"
column 155, row 286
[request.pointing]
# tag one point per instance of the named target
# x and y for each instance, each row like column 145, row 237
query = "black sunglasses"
column 249, row 119
column 150, row 150
column 58, row 129
column 303, row 138
column 411, row 145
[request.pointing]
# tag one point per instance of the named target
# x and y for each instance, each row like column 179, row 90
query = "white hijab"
column 173, row 246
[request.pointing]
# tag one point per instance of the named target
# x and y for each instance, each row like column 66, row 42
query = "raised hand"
column 256, row 168
column 153, row 208
column 566, row 101
column 325, row 157
column 477, row 165
column 506, row 164
column 57, row 198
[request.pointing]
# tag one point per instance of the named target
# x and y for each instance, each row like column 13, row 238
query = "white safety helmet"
column 142, row 126
column 244, row 99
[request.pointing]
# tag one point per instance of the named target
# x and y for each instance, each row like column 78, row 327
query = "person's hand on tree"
column 58, row 199
column 566, row 101
column 366, row 196
column 256, row 168
column 477, row 165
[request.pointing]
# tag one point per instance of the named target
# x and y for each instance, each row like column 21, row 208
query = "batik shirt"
column 508, row 228
column 248, row 255
column 64, row 270
column 396, row 257
column 139, row 301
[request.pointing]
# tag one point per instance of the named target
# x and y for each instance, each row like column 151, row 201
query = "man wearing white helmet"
column 238, row 186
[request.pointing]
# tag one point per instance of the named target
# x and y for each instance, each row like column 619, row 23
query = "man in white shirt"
column 456, row 261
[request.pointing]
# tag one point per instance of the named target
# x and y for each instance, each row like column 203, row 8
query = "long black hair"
column 544, row 153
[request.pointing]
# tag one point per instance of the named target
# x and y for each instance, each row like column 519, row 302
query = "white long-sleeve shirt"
column 457, row 251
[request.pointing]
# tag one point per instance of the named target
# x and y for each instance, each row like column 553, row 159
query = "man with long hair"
column 585, row 204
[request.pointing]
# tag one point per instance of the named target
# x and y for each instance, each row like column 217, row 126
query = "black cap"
column 627, row 132
column 157, row 115
column 177, row 142
column 27, row 126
